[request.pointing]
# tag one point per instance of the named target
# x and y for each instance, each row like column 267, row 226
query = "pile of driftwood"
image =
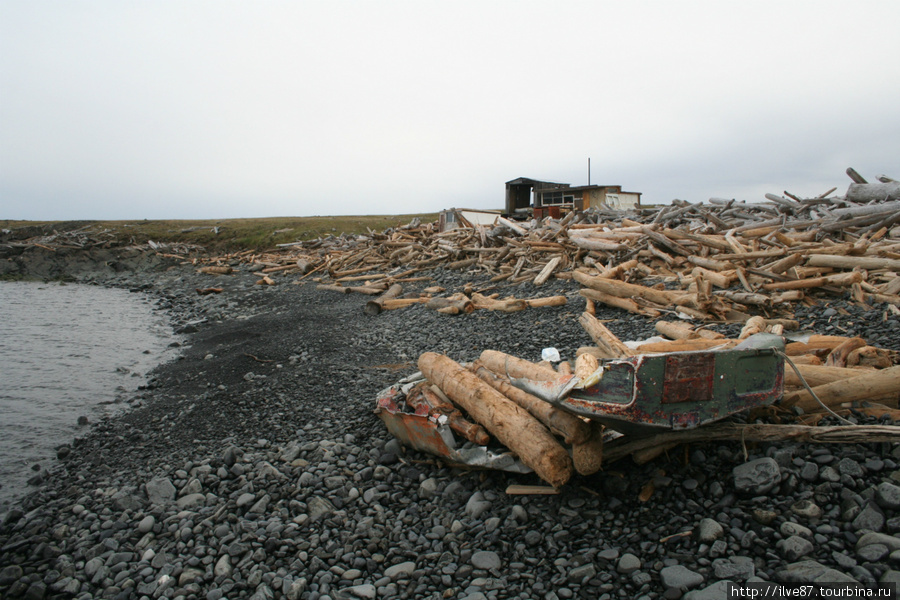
column 88, row 237
column 826, row 375
column 724, row 260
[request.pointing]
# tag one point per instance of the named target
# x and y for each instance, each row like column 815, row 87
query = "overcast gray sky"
column 175, row 109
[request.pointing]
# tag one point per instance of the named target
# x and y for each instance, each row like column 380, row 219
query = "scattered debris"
column 644, row 399
column 721, row 261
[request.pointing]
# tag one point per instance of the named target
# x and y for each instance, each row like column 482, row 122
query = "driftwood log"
column 374, row 307
column 511, row 366
column 872, row 384
column 856, row 434
column 572, row 429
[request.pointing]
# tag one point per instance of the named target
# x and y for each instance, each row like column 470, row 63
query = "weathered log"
column 618, row 271
column 781, row 265
column 709, row 263
column 603, row 337
column 368, row 290
column 838, row 279
column 547, row 301
column 512, row 226
column 207, row 291
column 587, row 456
column 871, row 357
column 508, row 422
column 628, row 290
column 874, row 384
column 788, row 296
column 591, row 243
column 395, row 303
column 585, row 366
column 572, row 429
column 868, row 192
column 460, row 303
column 815, row 343
column 720, row 280
column 512, row 366
column 838, row 356
column 853, row 262
column 507, row 305
column 676, row 331
column 327, row 287
column 216, row 270
column 748, row 298
column 683, row 346
column 374, row 307
column 547, row 271
column 304, row 266
column 462, row 264
column 617, row 302
column 816, row 375
column 859, row 434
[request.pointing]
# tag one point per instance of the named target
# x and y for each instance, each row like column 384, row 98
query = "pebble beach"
column 253, row 466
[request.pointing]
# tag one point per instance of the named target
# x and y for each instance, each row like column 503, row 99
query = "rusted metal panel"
column 689, row 377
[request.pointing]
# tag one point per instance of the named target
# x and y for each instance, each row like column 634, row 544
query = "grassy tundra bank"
column 219, row 234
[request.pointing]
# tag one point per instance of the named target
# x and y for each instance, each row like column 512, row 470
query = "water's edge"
column 72, row 355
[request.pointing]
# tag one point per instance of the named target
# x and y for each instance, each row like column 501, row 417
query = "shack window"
column 549, row 198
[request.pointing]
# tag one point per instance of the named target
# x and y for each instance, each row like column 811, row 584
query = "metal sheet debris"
column 432, row 434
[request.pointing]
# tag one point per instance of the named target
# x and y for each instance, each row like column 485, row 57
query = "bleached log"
column 628, row 290
column 853, row 262
column 859, row 434
column 572, row 429
column 869, row 192
column 373, row 307
column 546, row 301
column 816, row 375
column 614, row 301
column 395, row 303
column 585, row 365
column 603, row 337
column 547, row 271
column 837, row 279
column 683, row 346
column 512, row 366
column 874, row 384
column 508, row 305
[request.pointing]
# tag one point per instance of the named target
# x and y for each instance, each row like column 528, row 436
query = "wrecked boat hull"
column 645, row 394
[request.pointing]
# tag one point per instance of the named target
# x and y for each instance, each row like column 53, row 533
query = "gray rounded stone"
column 146, row 524
column 486, row 560
column 757, row 477
column 628, row 564
column 709, row 530
column 870, row 519
column 404, row 569
column 873, row 552
column 887, row 495
column 795, row 547
column 680, row 577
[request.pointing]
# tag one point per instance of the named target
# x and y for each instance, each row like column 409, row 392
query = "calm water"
column 67, row 351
